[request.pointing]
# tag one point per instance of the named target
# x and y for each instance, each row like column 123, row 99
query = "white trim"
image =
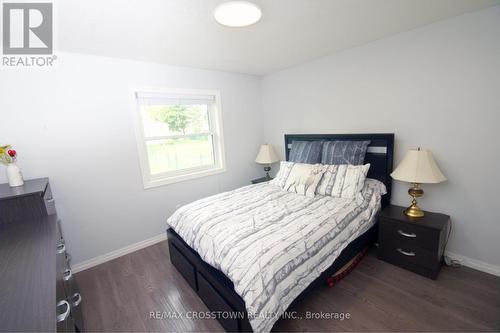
column 465, row 261
column 474, row 263
column 152, row 182
column 216, row 131
column 118, row 253
column 166, row 137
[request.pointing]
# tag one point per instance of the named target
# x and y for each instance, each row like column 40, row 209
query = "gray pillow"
column 305, row 152
column 344, row 152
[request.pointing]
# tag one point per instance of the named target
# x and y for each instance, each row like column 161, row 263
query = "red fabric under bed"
column 342, row 273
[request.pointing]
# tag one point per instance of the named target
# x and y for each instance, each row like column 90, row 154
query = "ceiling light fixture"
column 237, row 13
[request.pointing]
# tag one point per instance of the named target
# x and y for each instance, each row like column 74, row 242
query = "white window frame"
column 215, row 123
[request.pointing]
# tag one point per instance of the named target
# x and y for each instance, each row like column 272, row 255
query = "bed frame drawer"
column 217, row 291
column 183, row 265
column 214, row 300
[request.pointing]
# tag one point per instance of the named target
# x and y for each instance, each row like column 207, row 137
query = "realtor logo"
column 27, row 31
column 27, row 28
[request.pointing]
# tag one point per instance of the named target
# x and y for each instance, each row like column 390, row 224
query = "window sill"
column 151, row 183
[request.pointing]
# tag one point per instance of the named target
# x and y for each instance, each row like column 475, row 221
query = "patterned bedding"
column 271, row 243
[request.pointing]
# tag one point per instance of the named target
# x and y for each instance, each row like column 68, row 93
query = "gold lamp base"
column 415, row 192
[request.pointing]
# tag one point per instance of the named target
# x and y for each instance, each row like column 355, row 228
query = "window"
column 179, row 134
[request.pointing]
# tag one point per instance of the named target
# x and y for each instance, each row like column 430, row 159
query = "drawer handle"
column 406, row 253
column 402, row 233
column 76, row 299
column 63, row 316
column 67, row 274
column 61, row 248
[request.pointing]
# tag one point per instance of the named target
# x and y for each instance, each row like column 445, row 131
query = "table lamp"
column 267, row 156
column 417, row 167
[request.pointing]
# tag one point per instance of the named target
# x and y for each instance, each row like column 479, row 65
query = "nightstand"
column 416, row 244
column 260, row 180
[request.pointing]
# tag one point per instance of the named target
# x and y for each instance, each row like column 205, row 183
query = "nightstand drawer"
column 261, row 180
column 412, row 235
column 399, row 252
column 416, row 244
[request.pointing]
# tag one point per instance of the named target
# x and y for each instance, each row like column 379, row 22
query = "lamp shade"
column 418, row 166
column 266, row 155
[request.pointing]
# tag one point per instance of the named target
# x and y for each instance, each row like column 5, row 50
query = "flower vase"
column 14, row 175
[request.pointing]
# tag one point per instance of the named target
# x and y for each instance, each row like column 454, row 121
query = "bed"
column 259, row 249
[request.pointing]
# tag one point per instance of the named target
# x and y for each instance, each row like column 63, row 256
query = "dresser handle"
column 67, row 274
column 63, row 316
column 61, row 248
column 77, row 301
column 409, row 254
column 402, row 233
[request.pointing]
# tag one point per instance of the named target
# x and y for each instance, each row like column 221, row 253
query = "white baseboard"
column 118, row 253
column 465, row 261
column 474, row 263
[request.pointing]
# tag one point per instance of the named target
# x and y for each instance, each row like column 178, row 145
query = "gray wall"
column 436, row 87
column 74, row 125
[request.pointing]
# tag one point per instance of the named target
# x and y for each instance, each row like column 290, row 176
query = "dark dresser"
column 416, row 244
column 37, row 289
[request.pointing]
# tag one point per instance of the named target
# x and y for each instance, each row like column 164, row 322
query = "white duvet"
column 271, row 243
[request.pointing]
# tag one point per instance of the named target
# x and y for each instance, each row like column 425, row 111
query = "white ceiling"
column 184, row 32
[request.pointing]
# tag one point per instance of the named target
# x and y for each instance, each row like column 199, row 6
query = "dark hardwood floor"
column 120, row 295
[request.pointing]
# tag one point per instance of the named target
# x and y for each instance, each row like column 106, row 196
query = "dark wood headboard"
column 379, row 154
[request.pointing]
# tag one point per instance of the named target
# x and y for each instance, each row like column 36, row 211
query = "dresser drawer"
column 64, row 321
column 50, row 205
column 70, row 285
column 60, row 267
column 75, row 300
column 49, row 201
column 411, row 234
column 67, row 288
column 64, row 309
column 61, row 264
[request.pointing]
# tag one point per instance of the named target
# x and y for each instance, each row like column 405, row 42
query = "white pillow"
column 304, row 178
column 343, row 181
column 282, row 175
